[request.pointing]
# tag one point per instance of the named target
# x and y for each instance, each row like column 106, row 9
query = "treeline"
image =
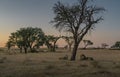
column 31, row 39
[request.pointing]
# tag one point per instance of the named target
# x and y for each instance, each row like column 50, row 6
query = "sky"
column 15, row 14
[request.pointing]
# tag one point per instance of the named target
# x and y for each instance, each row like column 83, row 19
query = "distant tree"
column 87, row 43
column 77, row 19
column 104, row 45
column 47, row 41
column 27, row 38
column 69, row 41
column 50, row 42
column 54, row 40
column 116, row 45
column 11, row 41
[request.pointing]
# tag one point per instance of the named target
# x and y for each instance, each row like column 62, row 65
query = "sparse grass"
column 117, row 65
column 2, row 59
column 48, row 65
column 44, row 61
column 67, row 64
column 2, row 50
column 27, row 61
column 83, row 65
column 95, row 64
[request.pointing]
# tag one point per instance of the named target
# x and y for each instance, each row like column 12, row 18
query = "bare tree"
column 77, row 19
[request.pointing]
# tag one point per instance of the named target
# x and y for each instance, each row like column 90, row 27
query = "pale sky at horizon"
column 15, row 14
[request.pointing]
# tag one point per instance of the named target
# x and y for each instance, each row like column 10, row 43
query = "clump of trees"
column 116, row 45
column 31, row 39
column 78, row 19
column 26, row 38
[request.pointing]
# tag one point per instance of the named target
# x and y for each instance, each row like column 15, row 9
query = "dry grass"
column 106, row 64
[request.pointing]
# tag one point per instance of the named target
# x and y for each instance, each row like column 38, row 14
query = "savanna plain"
column 106, row 63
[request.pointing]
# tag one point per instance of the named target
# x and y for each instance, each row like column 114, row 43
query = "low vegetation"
column 105, row 64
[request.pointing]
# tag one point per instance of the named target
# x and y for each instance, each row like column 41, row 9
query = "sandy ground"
column 47, row 64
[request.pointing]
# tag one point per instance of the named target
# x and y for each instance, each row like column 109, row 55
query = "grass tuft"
column 95, row 64
column 2, row 60
column 49, row 67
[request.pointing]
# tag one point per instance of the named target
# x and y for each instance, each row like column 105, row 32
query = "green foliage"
column 25, row 38
column 116, row 45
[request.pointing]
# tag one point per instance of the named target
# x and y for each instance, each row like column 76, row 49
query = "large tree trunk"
column 73, row 57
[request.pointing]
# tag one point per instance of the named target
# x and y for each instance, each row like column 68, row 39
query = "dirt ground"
column 106, row 63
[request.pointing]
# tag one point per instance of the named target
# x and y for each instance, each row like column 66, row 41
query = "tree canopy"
column 25, row 38
column 77, row 19
column 116, row 45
